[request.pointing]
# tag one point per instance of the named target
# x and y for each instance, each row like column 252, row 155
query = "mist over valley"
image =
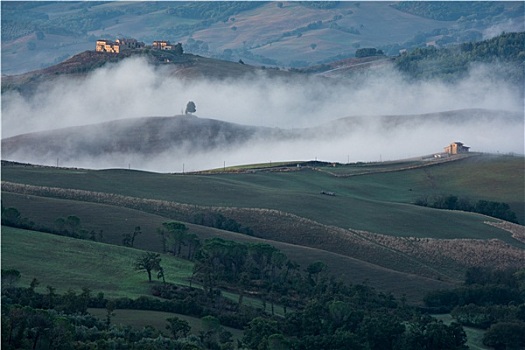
column 105, row 118
column 263, row 175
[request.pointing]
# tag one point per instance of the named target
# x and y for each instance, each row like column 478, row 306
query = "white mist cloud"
column 509, row 26
column 135, row 89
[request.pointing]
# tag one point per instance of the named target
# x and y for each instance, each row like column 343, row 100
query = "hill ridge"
column 355, row 243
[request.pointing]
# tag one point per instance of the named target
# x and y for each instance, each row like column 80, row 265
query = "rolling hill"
column 368, row 231
column 188, row 136
column 336, row 161
column 358, row 217
column 37, row 35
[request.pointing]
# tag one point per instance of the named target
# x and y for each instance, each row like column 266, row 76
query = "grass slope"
column 116, row 220
column 157, row 319
column 393, row 244
column 374, row 202
column 67, row 263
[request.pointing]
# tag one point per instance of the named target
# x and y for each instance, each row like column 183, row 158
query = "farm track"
column 423, row 166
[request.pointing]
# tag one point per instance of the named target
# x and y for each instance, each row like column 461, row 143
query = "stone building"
column 162, row 45
column 118, row 45
column 456, row 148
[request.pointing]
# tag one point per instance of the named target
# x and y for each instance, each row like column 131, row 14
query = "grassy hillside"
column 66, row 263
column 157, row 319
column 368, row 231
column 363, row 202
column 114, row 221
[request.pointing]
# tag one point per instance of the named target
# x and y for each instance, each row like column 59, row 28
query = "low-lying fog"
column 134, row 89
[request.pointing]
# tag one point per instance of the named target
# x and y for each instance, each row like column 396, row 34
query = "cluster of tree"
column 197, row 46
column 450, row 11
column 351, row 30
column 69, row 226
column 320, row 312
column 258, row 269
column 209, row 10
column 368, row 52
column 490, row 208
column 298, row 32
column 453, row 62
column 177, row 240
column 323, row 5
column 489, row 299
column 12, row 217
column 338, row 325
column 32, row 320
column 217, row 220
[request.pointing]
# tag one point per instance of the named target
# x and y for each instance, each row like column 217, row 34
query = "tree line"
column 318, row 311
column 69, row 226
column 452, row 63
column 493, row 300
column 499, row 210
column 336, row 316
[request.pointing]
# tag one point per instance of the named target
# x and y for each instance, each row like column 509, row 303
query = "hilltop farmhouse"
column 456, row 148
column 120, row 45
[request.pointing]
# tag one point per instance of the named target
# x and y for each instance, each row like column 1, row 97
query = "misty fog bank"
column 188, row 143
column 134, row 89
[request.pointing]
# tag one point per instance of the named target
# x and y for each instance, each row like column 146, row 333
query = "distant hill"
column 504, row 53
column 146, row 136
column 186, row 66
column 297, row 34
column 151, row 137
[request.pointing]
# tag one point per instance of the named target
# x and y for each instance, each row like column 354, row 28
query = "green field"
column 66, row 263
column 116, row 220
column 377, row 202
column 101, row 267
column 284, row 206
column 157, row 319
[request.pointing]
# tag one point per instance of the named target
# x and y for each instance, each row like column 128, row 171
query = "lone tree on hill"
column 190, row 108
column 148, row 262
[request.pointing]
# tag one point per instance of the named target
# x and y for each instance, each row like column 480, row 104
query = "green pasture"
column 115, row 220
column 111, row 220
column 66, row 263
column 380, row 202
column 157, row 319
